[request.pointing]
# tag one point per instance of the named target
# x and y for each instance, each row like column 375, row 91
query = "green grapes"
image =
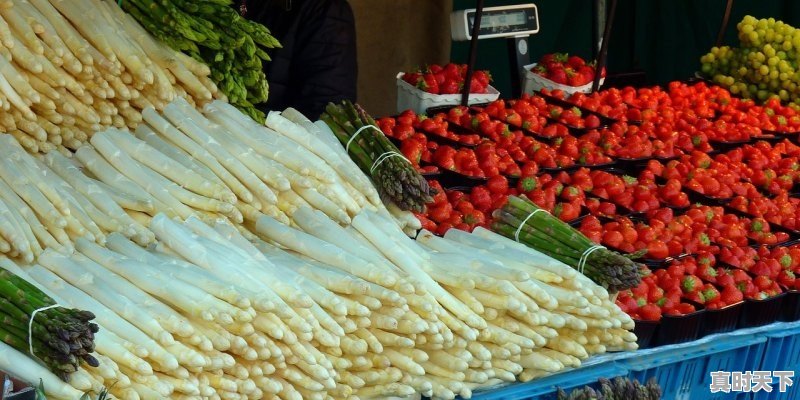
column 764, row 65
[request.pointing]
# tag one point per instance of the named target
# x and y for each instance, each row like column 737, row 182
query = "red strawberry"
column 668, row 282
column 725, row 278
column 558, row 76
column 665, row 303
column 540, row 69
column 691, row 283
column 650, row 312
column 708, row 274
column 676, row 270
column 762, row 282
column 740, row 276
column 731, row 295
column 429, row 84
column 685, row 308
column 641, row 290
column 654, row 294
column 575, row 62
column 413, row 78
column 452, row 72
column 449, row 87
column 786, row 277
column 484, row 77
column 696, row 296
column 710, row 293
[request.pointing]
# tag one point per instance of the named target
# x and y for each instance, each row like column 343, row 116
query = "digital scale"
column 496, row 22
column 515, row 22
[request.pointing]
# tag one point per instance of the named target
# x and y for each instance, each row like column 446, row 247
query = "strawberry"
column 553, row 59
column 655, row 294
column 665, row 303
column 748, row 288
column 710, row 293
column 484, row 77
column 667, row 282
column 685, row 308
column 762, row 282
column 705, row 258
column 413, row 78
column 708, row 274
column 731, row 295
column 677, row 270
column 558, row 76
column 452, row 72
column 696, row 296
column 575, row 62
column 650, row 312
column 714, row 305
column 691, row 283
column 641, row 290
column 527, row 184
column 725, row 278
column 540, row 69
column 786, row 277
column 449, row 87
column 740, row 276
column 429, row 84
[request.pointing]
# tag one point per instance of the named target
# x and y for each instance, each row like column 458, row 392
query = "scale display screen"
column 503, row 21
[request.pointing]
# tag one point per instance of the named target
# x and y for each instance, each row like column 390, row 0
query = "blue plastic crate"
column 781, row 353
column 546, row 388
column 683, row 371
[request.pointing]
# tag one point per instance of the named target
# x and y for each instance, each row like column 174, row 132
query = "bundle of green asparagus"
column 523, row 221
column 396, row 179
column 61, row 338
column 619, row 388
column 212, row 32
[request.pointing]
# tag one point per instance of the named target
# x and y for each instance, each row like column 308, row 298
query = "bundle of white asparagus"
column 70, row 68
column 324, row 312
column 223, row 163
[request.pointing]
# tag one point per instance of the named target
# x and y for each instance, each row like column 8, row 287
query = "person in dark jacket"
column 317, row 63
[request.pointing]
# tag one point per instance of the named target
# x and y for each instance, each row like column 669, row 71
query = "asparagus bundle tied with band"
column 61, row 338
column 396, row 179
column 526, row 223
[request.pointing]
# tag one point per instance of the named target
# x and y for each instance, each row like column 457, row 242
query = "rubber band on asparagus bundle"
column 383, row 157
column 585, row 256
column 30, row 325
column 347, row 146
column 519, row 228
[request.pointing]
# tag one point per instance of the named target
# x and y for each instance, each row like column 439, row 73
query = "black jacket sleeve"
column 317, row 63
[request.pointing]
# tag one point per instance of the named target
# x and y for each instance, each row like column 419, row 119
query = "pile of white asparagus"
column 223, row 163
column 226, row 260
column 71, row 68
column 325, row 312
column 47, row 203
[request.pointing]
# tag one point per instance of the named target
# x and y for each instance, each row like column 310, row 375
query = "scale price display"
column 503, row 21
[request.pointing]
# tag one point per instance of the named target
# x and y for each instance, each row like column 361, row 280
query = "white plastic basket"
column 418, row 100
column 534, row 81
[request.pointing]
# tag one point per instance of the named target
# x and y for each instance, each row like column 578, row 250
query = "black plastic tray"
column 721, row 320
column 645, row 331
column 680, row 329
column 790, row 311
column 761, row 312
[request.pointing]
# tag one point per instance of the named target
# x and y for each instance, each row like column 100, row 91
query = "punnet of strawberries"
column 448, row 79
column 565, row 69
